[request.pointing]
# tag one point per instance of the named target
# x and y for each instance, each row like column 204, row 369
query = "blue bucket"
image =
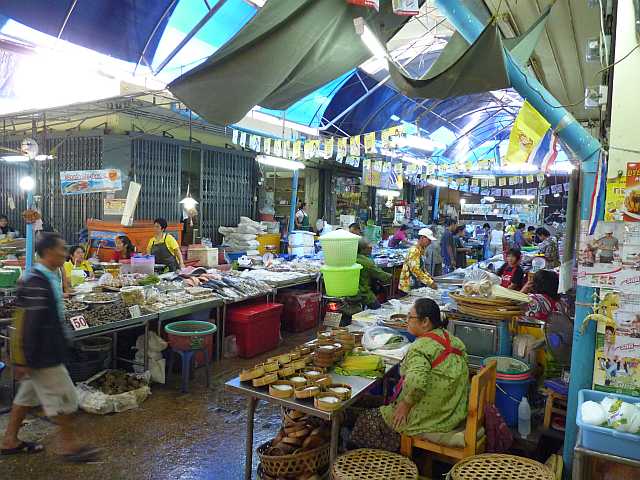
column 508, row 396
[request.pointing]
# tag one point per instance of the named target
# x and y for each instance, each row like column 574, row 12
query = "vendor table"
column 113, row 328
column 359, row 386
column 582, row 455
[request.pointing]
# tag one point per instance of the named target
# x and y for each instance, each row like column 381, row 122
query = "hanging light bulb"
column 188, row 202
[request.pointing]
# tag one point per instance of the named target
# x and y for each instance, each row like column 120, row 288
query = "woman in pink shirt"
column 399, row 237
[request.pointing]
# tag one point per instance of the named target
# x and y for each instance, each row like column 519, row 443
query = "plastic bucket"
column 341, row 281
column 340, row 248
column 512, row 383
column 190, row 335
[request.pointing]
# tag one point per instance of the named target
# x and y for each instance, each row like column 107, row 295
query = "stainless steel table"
column 359, row 385
column 581, row 456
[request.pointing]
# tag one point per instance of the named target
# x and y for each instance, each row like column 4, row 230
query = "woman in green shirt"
column 369, row 274
column 433, row 393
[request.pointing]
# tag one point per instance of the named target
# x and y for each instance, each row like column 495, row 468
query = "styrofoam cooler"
column 206, row 256
column 340, row 248
column 300, row 238
column 603, row 439
column 143, row 264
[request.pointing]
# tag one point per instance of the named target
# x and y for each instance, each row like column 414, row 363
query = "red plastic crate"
column 256, row 327
column 301, row 309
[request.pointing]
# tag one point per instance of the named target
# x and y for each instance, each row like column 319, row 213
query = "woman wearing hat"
column 414, row 271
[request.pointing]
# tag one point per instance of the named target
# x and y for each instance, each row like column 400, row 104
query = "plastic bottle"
column 524, row 418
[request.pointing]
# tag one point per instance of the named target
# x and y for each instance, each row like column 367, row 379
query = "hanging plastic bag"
column 366, row 3
column 382, row 338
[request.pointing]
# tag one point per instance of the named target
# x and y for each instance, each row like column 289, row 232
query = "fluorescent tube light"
column 387, row 193
column 566, row 167
column 14, row 158
column 414, row 141
column 436, row 182
column 372, row 42
column 415, row 161
column 279, row 162
column 489, row 199
column 522, row 197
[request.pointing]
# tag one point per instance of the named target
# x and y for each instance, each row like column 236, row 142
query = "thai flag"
column 545, row 153
column 599, row 188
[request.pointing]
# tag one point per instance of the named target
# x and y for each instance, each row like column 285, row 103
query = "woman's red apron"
column 448, row 350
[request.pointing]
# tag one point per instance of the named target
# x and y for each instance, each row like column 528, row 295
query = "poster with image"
column 617, row 355
column 78, row 182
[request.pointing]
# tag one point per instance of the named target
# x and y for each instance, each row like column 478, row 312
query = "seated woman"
column 124, row 248
column 543, row 293
column 370, row 275
column 76, row 260
column 399, row 239
column 433, row 393
column 511, row 273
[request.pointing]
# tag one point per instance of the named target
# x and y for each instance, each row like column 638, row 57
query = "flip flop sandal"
column 83, row 455
column 23, row 447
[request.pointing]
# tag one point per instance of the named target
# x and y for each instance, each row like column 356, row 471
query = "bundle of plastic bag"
column 624, row 417
column 593, row 413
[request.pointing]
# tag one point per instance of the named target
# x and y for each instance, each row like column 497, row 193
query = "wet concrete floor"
column 199, row 435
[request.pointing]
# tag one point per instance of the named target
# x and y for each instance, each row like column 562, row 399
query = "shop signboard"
column 78, row 182
column 114, row 206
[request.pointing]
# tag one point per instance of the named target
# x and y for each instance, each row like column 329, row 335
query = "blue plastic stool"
column 187, row 357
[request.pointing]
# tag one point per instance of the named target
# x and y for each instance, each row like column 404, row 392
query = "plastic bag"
column 92, row 400
column 230, row 347
column 376, row 338
column 593, row 413
column 156, row 343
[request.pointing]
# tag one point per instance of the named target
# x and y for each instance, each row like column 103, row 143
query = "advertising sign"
column 79, row 182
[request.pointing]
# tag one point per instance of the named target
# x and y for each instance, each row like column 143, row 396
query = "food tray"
column 492, row 302
column 342, row 395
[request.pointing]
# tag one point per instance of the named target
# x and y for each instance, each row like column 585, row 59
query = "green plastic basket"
column 341, row 281
column 340, row 248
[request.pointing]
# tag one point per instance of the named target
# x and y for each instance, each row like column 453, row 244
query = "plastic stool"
column 187, row 357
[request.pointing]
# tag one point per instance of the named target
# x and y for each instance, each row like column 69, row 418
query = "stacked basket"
column 341, row 273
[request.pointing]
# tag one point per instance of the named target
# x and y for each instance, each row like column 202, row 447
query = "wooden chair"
column 483, row 392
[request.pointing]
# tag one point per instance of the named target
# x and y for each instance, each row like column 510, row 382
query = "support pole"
column 436, row 203
column 29, row 230
column 584, row 147
column 294, row 201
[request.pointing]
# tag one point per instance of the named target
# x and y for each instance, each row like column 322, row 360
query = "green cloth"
column 440, row 396
column 288, row 50
column 361, row 365
column 368, row 274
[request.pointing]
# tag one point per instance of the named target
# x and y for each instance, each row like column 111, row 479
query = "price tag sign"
column 78, row 322
column 135, row 311
column 332, row 319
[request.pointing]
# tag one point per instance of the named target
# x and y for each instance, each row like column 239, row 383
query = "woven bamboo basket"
column 294, row 355
column 307, row 392
column 271, row 366
column 296, row 464
column 497, row 313
column 266, row 380
column 346, row 395
column 286, row 371
column 251, row 373
column 328, row 402
column 493, row 466
column 488, row 301
column 275, row 389
column 373, row 465
column 323, row 381
column 297, row 380
column 299, row 364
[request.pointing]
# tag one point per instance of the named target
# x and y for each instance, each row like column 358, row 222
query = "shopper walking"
column 548, row 247
column 39, row 348
column 519, row 239
column 495, row 242
column 448, row 246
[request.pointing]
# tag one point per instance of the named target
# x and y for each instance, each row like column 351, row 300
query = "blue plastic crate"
column 607, row 440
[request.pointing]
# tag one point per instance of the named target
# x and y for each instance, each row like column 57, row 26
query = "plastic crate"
column 603, row 439
column 301, row 309
column 256, row 327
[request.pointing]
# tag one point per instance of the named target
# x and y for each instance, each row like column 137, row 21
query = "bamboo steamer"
column 327, row 402
column 265, row 380
column 281, row 389
column 251, row 373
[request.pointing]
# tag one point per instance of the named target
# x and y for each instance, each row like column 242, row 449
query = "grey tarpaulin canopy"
column 463, row 69
column 289, row 49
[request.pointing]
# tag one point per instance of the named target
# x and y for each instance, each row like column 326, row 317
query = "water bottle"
column 524, row 418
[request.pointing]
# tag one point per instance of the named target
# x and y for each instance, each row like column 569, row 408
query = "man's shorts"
column 50, row 387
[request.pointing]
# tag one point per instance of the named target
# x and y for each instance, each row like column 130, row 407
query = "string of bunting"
column 364, row 151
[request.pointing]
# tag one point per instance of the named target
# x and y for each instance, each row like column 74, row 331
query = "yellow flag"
column 342, row 146
column 354, row 146
column 526, row 133
column 370, row 142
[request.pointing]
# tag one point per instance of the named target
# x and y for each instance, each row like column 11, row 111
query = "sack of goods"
column 244, row 236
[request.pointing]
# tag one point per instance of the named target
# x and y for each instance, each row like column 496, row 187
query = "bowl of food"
column 632, row 202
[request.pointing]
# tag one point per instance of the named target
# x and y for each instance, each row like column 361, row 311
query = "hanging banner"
column 266, row 146
column 565, row 187
column 234, row 136
column 527, row 131
column 254, row 143
column 507, row 192
column 631, row 206
column 532, row 191
column 491, row 182
column 545, row 191
column 297, row 149
column 243, row 139
column 328, row 147
column 370, row 142
column 502, row 181
column 287, row 151
column 520, row 191
column 342, row 146
column 354, row 146
column 385, row 135
column 496, row 192
column 514, row 180
column 78, row 182
column 475, row 181
column 556, row 188
column 485, row 191
column 530, row 179
column 277, row 148
column 474, row 189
